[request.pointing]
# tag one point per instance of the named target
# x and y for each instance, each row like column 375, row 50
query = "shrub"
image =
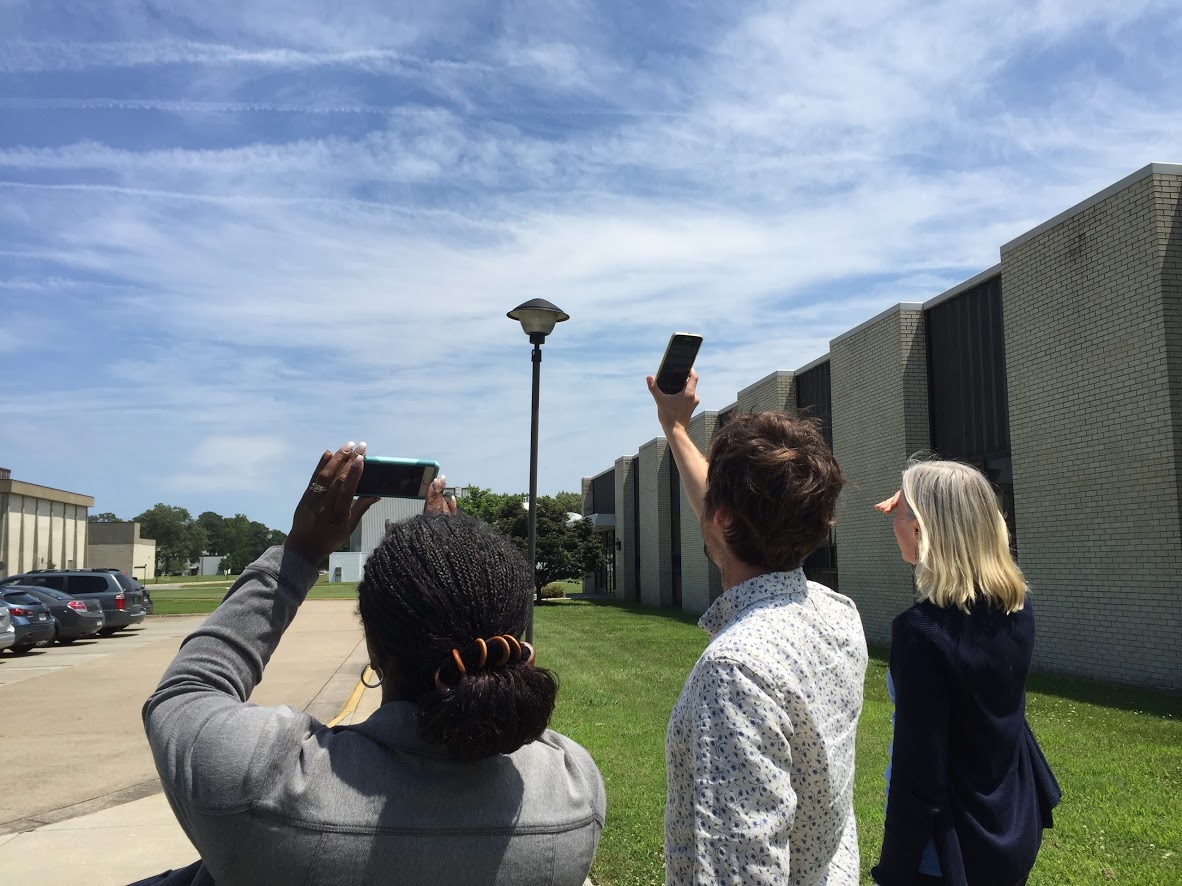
column 553, row 591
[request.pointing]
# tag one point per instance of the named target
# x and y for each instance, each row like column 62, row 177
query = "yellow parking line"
column 351, row 702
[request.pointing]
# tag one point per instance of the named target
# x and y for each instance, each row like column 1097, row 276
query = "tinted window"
column 125, row 582
column 88, row 584
column 20, row 598
column 51, row 594
column 46, row 581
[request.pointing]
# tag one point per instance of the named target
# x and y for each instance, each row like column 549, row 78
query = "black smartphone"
column 678, row 361
column 397, row 477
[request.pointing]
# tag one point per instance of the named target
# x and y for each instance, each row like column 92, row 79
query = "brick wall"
column 1168, row 207
column 700, row 581
column 773, row 392
column 626, row 586
column 880, row 418
column 1092, row 339
column 652, row 484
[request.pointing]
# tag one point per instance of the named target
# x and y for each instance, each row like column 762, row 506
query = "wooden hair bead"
column 508, row 651
column 512, row 641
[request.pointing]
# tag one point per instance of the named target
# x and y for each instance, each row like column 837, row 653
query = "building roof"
column 46, row 493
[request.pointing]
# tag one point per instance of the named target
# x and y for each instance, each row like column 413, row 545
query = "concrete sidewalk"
column 136, row 839
column 87, row 808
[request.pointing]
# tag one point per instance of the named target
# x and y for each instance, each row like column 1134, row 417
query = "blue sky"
column 233, row 234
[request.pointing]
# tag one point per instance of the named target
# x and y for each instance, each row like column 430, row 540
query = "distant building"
column 377, row 519
column 346, row 565
column 210, row 564
column 41, row 527
column 118, row 544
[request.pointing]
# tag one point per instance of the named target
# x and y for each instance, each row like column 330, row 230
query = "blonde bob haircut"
column 964, row 552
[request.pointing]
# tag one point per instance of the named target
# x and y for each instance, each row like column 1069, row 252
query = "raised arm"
column 674, row 412
column 201, row 730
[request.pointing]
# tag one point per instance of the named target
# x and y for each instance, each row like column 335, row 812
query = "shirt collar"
column 396, row 724
column 735, row 601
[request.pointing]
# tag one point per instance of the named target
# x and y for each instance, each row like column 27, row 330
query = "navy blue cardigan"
column 966, row 771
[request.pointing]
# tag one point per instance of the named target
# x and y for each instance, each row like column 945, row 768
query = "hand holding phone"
column 679, row 358
column 396, row 477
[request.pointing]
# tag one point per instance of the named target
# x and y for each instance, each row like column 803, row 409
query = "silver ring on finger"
column 317, row 488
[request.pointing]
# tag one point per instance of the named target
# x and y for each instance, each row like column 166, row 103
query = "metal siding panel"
column 814, row 398
column 603, row 493
column 967, row 378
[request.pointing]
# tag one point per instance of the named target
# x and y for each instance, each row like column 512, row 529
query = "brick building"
column 118, row 544
column 1057, row 371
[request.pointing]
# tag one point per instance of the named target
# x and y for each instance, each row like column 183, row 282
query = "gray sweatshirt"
column 271, row 795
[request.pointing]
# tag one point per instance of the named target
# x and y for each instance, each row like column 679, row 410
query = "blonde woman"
column 968, row 790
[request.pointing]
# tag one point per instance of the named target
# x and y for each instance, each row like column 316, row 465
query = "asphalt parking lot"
column 47, row 660
column 71, row 738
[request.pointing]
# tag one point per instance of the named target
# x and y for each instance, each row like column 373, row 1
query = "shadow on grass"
column 629, row 606
column 1108, row 695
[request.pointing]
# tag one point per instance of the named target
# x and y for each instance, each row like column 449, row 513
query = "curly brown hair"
column 778, row 481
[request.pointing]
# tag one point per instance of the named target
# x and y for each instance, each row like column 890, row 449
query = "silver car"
column 7, row 631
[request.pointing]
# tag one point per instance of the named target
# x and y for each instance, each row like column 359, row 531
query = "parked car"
column 7, row 631
column 130, row 583
column 75, row 618
column 31, row 618
column 121, row 608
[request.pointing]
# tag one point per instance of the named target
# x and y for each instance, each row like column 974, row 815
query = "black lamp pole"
column 532, row 536
column 537, row 317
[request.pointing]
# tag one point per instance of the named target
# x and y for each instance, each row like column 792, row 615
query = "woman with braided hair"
column 455, row 779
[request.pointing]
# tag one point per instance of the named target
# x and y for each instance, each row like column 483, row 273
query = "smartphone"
column 678, row 361
column 397, row 477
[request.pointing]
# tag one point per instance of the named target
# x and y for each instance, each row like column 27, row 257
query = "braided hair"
column 435, row 583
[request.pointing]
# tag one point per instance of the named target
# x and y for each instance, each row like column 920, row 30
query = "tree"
column 571, row 501
column 215, row 534
column 484, row 504
column 179, row 540
column 104, row 517
column 566, row 548
column 244, row 540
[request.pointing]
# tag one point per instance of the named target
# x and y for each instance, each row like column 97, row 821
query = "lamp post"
column 537, row 317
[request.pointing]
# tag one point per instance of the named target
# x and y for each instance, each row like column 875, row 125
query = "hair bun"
column 489, row 712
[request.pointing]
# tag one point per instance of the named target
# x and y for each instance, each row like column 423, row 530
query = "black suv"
column 122, row 606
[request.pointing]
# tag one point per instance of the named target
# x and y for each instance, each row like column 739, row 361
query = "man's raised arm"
column 674, row 412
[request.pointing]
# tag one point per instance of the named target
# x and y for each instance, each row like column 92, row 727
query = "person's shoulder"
column 921, row 619
column 833, row 603
column 554, row 748
column 562, row 757
column 827, row 593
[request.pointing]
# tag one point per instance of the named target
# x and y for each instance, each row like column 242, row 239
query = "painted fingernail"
column 348, row 445
column 361, row 448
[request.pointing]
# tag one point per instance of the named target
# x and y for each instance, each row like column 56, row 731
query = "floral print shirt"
column 760, row 747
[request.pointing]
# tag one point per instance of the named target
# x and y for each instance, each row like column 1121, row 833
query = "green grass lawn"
column 1116, row 752
column 205, row 597
column 189, row 579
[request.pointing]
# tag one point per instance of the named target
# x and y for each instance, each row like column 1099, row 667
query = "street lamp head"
column 537, row 317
